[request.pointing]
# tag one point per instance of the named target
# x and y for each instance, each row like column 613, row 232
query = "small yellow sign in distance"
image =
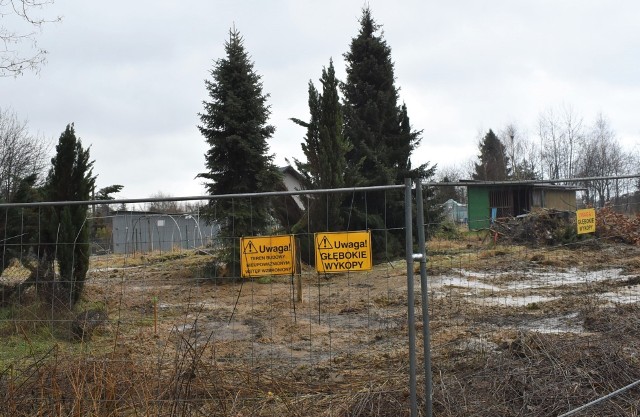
column 267, row 255
column 586, row 220
column 343, row 251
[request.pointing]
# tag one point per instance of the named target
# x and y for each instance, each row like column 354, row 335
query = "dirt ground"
column 515, row 330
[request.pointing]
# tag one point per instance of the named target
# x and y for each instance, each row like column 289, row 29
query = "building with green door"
column 488, row 202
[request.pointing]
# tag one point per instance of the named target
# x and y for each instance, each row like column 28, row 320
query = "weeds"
column 269, row 361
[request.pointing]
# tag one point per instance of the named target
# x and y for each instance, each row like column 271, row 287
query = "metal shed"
column 141, row 231
column 454, row 211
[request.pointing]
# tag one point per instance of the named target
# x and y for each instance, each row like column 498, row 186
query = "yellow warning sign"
column 586, row 220
column 343, row 251
column 267, row 255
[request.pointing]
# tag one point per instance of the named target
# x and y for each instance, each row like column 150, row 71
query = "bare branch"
column 13, row 61
column 21, row 154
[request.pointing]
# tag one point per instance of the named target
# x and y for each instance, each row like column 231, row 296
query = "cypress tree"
column 67, row 235
column 311, row 169
column 20, row 226
column 21, row 232
column 325, row 149
column 235, row 125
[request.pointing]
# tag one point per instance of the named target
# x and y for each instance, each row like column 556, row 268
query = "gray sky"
column 130, row 74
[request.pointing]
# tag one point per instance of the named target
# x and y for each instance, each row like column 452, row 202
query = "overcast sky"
column 130, row 74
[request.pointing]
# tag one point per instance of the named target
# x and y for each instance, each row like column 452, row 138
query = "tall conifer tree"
column 370, row 98
column 375, row 123
column 493, row 164
column 235, row 126
column 325, row 149
column 378, row 127
column 67, row 235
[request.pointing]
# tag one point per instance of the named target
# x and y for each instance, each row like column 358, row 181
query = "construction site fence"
column 459, row 321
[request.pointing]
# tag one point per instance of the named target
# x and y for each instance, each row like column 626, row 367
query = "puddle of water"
column 627, row 295
column 184, row 327
column 462, row 282
column 481, row 275
column 573, row 276
column 537, row 279
column 530, row 281
column 114, row 268
column 569, row 323
column 514, row 301
column 476, row 344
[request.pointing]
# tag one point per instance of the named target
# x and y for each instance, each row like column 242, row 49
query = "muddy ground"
column 515, row 330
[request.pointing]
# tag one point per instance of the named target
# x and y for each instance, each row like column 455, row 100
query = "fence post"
column 298, row 272
column 424, row 292
column 411, row 319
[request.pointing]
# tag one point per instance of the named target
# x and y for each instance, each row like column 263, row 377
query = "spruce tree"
column 370, row 98
column 493, row 164
column 235, row 126
column 379, row 129
column 325, row 149
column 67, row 235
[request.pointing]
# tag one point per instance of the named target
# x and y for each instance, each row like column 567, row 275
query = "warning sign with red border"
column 267, row 255
column 343, row 251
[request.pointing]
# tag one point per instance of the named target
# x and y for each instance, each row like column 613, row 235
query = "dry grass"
column 486, row 361
column 185, row 384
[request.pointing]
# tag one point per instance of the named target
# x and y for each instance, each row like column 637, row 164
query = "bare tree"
column 508, row 137
column 170, row 207
column 561, row 134
column 549, row 134
column 23, row 13
column 451, row 173
column 21, row 154
column 603, row 156
column 573, row 136
column 523, row 154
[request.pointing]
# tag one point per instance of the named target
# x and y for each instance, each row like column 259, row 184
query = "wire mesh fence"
column 523, row 323
column 166, row 326
column 530, row 318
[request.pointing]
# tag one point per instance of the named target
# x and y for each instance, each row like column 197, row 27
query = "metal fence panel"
column 164, row 327
column 526, row 319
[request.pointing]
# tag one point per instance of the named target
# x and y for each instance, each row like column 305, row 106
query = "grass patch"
column 24, row 345
column 144, row 322
column 264, row 280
